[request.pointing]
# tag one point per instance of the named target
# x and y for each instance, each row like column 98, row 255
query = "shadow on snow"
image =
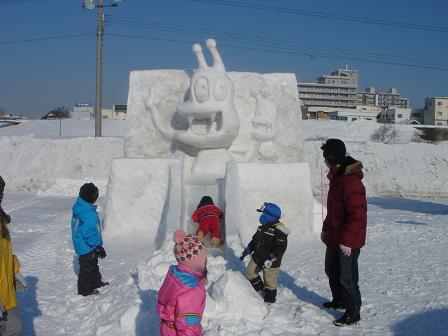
column 147, row 321
column 428, row 323
column 29, row 306
column 407, row 204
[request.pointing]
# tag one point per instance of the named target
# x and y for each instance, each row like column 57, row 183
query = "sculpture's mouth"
column 204, row 124
column 262, row 125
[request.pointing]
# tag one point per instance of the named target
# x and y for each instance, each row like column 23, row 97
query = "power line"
column 12, row 2
column 278, row 46
column 302, row 53
column 45, row 38
column 324, row 15
column 191, row 42
column 292, row 46
column 202, row 34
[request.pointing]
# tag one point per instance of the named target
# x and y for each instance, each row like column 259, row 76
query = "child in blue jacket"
column 87, row 240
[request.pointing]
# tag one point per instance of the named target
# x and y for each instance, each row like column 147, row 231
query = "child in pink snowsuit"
column 181, row 300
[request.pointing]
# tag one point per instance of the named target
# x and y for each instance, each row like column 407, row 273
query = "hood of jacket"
column 282, row 227
column 80, row 207
column 350, row 166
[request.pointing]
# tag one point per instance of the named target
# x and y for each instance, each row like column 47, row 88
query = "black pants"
column 343, row 276
column 89, row 277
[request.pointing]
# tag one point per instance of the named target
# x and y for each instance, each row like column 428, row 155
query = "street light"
column 92, row 4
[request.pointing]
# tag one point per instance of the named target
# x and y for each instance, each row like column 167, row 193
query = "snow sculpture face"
column 210, row 104
column 264, row 119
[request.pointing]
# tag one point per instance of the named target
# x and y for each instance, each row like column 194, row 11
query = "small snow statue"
column 181, row 300
column 267, row 247
column 208, row 215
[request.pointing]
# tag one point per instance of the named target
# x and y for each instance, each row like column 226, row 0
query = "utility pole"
column 99, row 68
column 91, row 4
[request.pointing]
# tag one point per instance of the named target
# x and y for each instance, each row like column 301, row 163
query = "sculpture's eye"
column 201, row 89
column 221, row 89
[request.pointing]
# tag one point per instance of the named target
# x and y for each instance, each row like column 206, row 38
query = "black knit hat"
column 334, row 151
column 89, row 193
column 206, row 200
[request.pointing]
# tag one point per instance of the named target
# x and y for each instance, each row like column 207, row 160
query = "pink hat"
column 187, row 247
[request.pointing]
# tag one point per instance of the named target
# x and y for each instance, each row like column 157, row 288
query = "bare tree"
column 63, row 110
column 3, row 112
column 385, row 134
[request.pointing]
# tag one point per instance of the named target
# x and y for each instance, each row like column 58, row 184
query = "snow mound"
column 56, row 167
column 232, row 297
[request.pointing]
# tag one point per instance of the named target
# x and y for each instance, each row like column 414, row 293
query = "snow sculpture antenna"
column 218, row 64
column 202, row 64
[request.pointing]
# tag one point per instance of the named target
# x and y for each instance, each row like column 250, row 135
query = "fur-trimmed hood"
column 354, row 168
column 350, row 166
column 282, row 227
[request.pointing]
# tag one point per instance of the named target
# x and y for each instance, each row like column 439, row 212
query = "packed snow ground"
column 403, row 272
column 403, row 267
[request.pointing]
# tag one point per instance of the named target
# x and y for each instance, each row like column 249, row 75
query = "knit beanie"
column 89, row 193
column 187, row 246
column 334, row 151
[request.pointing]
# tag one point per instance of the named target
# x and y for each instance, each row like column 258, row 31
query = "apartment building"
column 436, row 111
column 337, row 90
column 391, row 98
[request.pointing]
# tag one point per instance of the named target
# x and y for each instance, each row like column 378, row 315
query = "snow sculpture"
column 203, row 127
column 210, row 103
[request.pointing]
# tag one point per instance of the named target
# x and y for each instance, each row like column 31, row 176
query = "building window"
column 400, row 115
column 439, row 113
column 439, row 103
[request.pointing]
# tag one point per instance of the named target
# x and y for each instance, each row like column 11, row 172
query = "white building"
column 436, row 111
column 347, row 114
column 82, row 111
column 119, row 111
column 399, row 115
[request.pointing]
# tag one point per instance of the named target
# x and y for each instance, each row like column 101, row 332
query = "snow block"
column 143, row 196
column 267, row 106
column 248, row 185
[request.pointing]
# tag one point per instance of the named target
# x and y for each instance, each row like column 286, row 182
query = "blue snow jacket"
column 86, row 228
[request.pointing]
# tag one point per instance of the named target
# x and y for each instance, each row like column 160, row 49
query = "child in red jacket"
column 208, row 215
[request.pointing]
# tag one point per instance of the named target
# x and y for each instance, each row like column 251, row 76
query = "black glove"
column 5, row 217
column 3, row 313
column 4, row 231
column 246, row 252
column 100, row 252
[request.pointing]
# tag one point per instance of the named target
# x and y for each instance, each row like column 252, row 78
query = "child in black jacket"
column 267, row 247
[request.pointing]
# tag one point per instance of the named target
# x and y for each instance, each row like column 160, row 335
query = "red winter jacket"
column 346, row 218
column 207, row 214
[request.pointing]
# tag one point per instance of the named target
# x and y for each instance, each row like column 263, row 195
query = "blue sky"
column 40, row 75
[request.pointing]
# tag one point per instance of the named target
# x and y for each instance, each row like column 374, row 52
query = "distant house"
column 400, row 115
column 82, row 111
column 119, row 111
column 52, row 115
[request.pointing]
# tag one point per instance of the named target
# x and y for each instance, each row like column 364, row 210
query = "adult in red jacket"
column 344, row 230
column 208, row 215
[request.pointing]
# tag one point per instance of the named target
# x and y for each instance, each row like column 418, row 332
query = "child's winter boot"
column 257, row 284
column 270, row 295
